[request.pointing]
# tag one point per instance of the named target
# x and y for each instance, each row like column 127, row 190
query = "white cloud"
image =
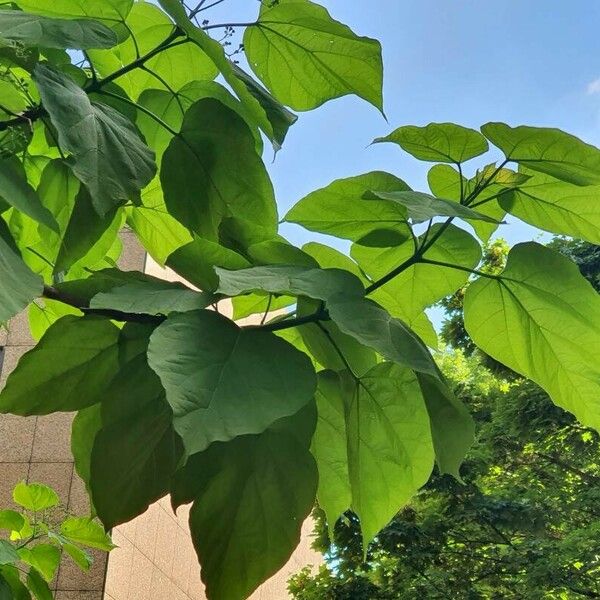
column 594, row 87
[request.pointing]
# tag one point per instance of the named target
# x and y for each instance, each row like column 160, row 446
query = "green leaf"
column 549, row 151
column 339, row 208
column 201, row 178
column 18, row 193
column 153, row 297
column 111, row 11
column 35, row 30
column 330, row 258
column 196, row 262
column 44, row 313
column 452, row 428
column 86, row 532
column 444, row 182
column 216, row 52
column 438, row 142
column 420, row 285
column 17, row 590
column 135, row 449
column 557, row 207
column 5, row 589
column 35, row 496
column 279, row 116
column 80, row 557
column 8, row 554
column 306, row 58
column 211, row 369
column 45, row 558
column 421, row 207
column 173, row 67
column 39, row 588
column 109, row 156
column 372, row 445
column 18, row 284
column 88, row 235
column 86, row 424
column 133, row 460
column 273, row 475
column 541, row 318
column 346, row 304
column 66, row 371
column 11, row 520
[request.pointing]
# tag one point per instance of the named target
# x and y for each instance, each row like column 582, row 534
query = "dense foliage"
column 338, row 397
column 34, row 538
column 522, row 525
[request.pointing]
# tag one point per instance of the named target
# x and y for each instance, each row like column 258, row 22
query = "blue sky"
column 528, row 62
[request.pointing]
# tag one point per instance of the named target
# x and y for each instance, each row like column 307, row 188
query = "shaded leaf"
column 109, row 156
column 213, row 370
column 36, row 30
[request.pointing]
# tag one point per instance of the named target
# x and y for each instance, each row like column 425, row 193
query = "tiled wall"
column 155, row 559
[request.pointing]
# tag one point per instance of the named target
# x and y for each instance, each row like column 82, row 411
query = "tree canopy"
column 120, row 112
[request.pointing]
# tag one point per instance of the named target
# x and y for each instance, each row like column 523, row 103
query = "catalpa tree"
column 337, row 398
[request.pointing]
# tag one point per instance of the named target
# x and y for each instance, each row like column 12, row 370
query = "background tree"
column 338, row 398
column 523, row 525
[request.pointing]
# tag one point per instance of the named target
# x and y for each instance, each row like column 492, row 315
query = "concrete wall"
column 155, row 559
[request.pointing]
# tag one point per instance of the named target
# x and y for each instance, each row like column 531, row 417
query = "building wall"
column 155, row 559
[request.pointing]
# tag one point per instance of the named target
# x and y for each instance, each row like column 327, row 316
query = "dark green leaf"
column 17, row 590
column 8, row 554
column 36, row 30
column 201, row 178
column 109, row 156
column 213, row 371
column 549, row 151
column 108, row 11
column 66, row 371
column 18, row 284
column 38, row 587
column 273, row 475
column 153, row 297
column 305, row 57
column 438, row 142
column 339, row 208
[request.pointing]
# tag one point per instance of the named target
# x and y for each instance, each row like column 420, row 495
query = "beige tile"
column 52, row 441
column 18, row 331
column 10, row 475
column 16, row 438
column 133, row 256
column 146, row 529
column 162, row 586
column 165, row 537
column 72, row 578
column 196, row 588
column 56, row 475
column 129, row 529
column 12, row 354
column 79, row 501
column 78, row 595
column 3, row 335
column 141, row 577
column 120, row 562
column 182, row 561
